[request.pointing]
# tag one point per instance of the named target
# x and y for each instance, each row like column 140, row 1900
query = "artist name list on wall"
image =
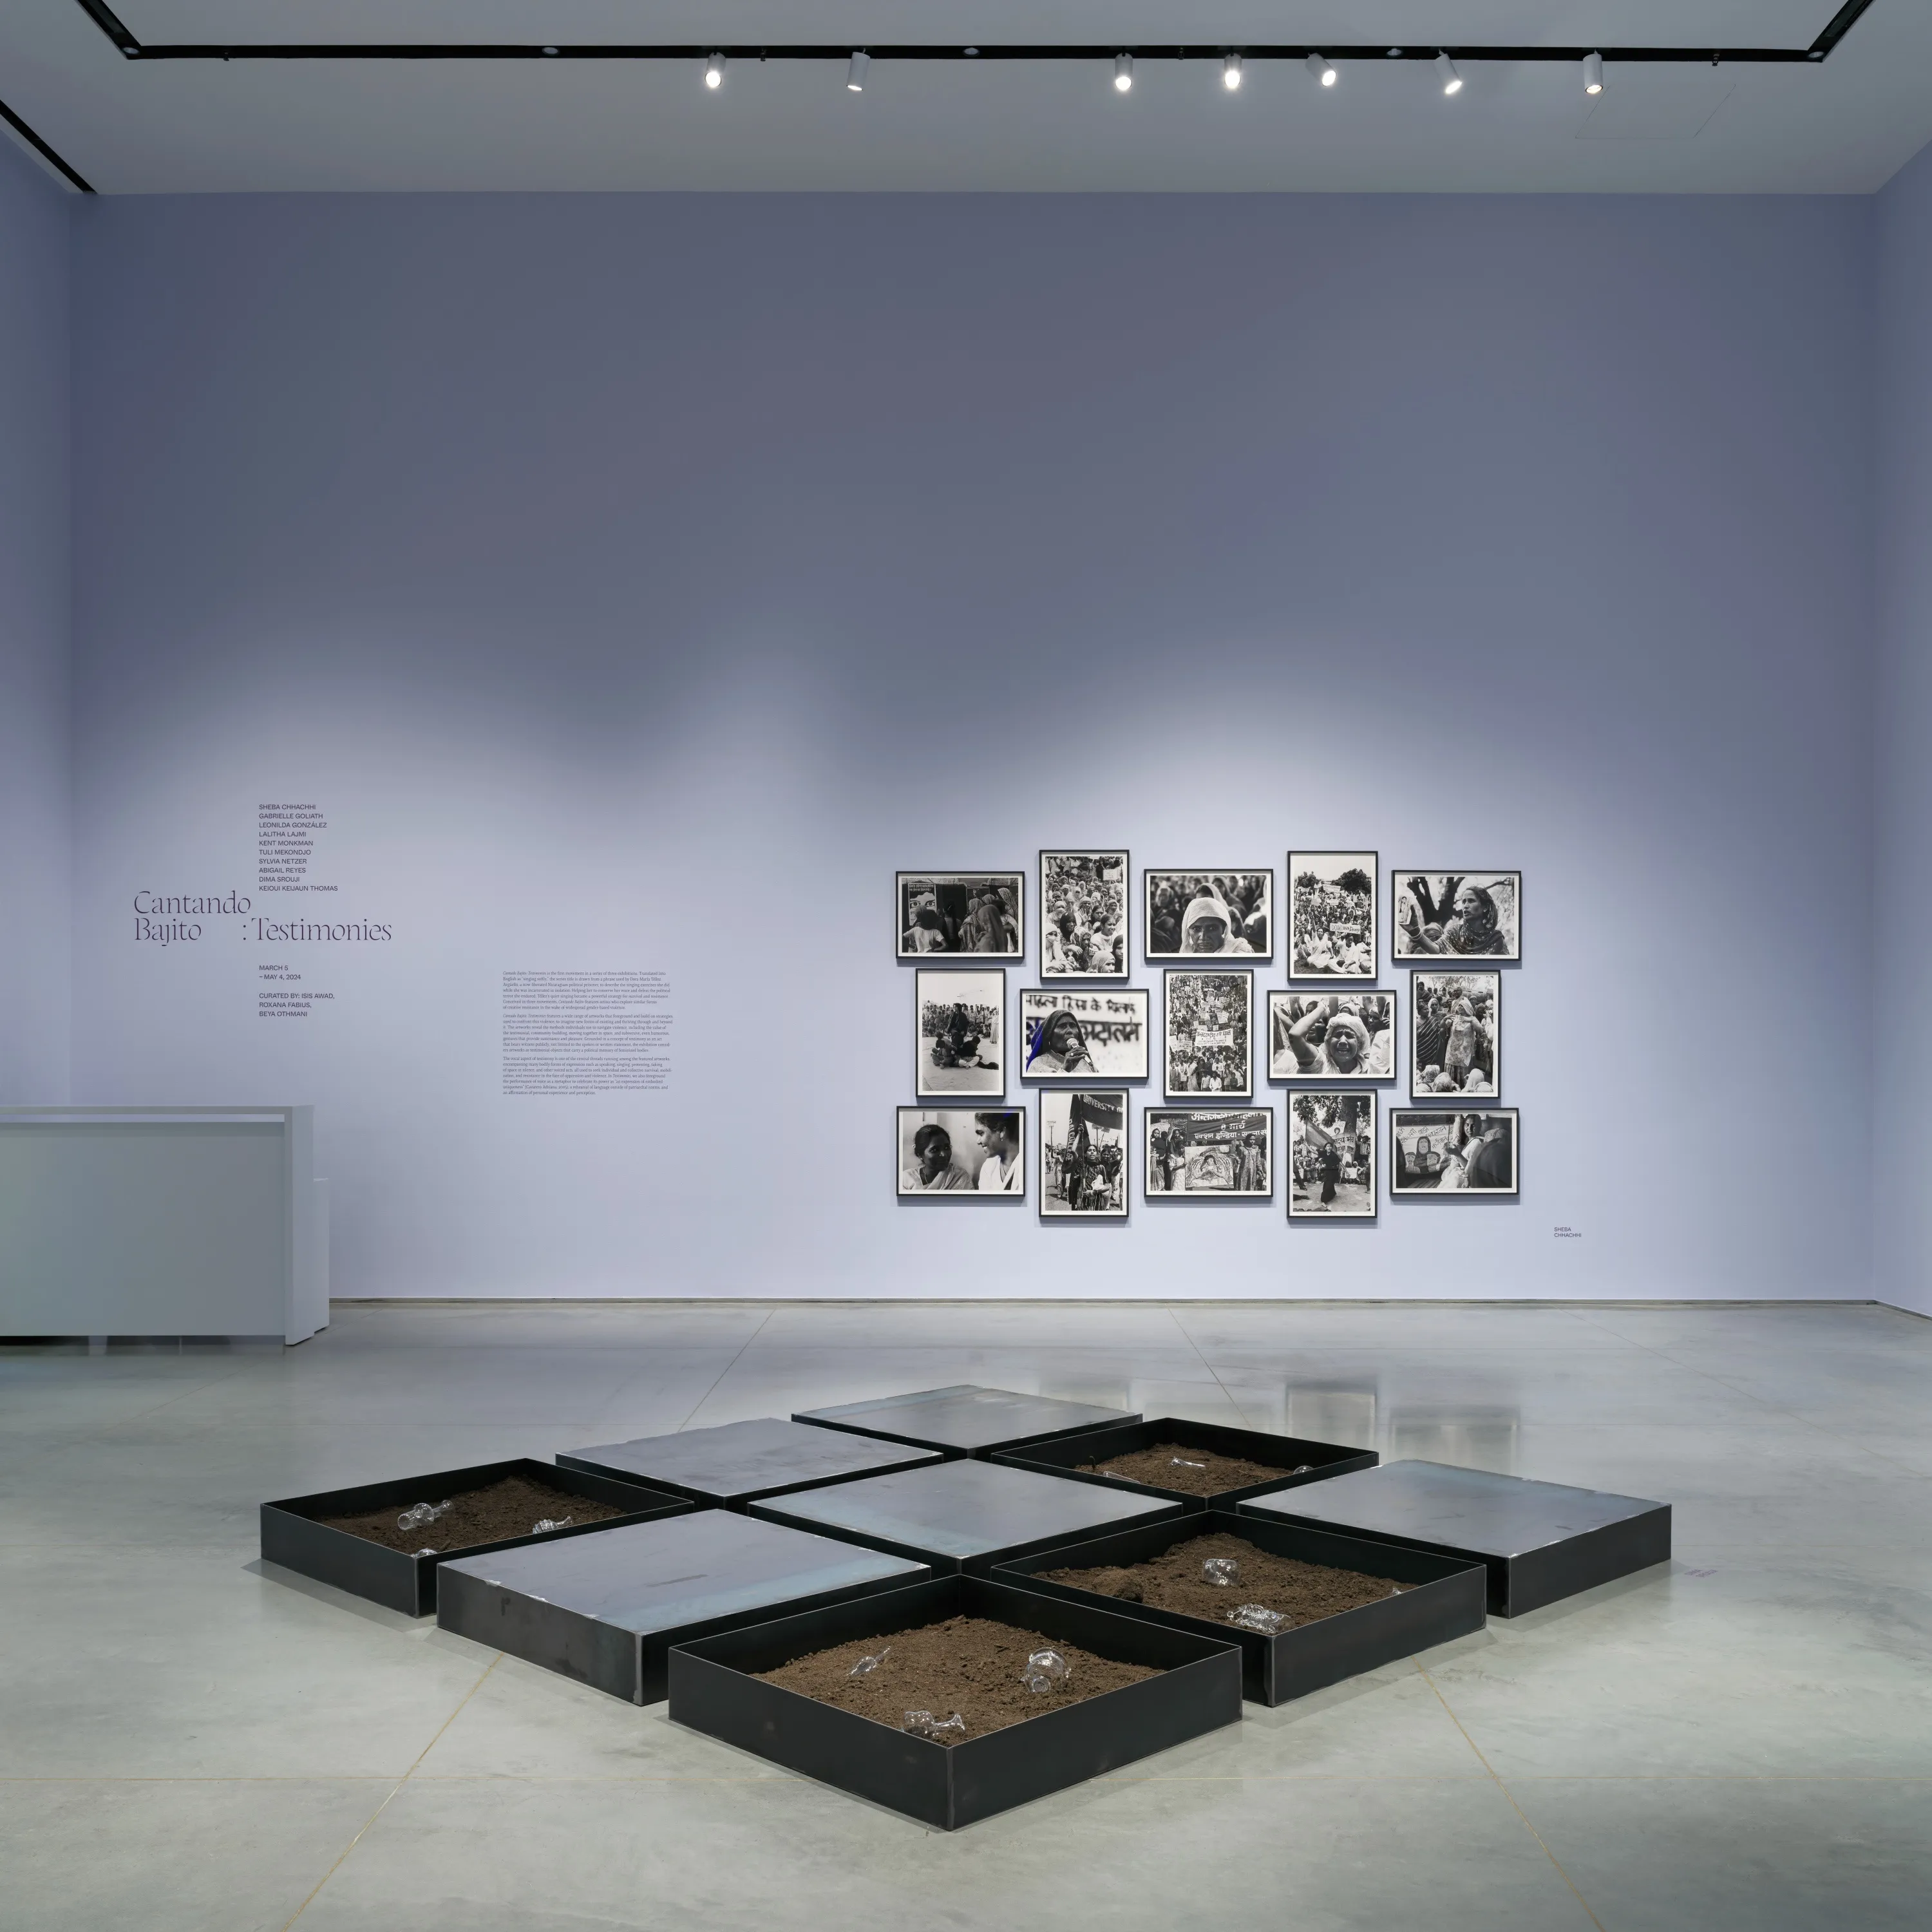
column 285, row 836
column 587, row 1033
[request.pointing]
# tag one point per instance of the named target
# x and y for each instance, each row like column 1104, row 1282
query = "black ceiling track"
column 40, row 148
column 116, row 31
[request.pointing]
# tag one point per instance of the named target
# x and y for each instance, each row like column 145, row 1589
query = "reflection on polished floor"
column 1743, row 1741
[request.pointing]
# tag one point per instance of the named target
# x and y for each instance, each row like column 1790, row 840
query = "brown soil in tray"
column 1172, row 1581
column 971, row 1665
column 494, row 1513
column 1159, row 1468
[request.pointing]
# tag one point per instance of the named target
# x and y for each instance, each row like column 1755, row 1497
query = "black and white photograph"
column 1331, row 915
column 1331, row 1036
column 1457, row 915
column 1460, row 1153
column 1331, row 1157
column 1229, row 913
column 957, row 1151
column 1221, row 1153
column 1066, row 1035
column 961, row 912
column 1083, row 915
column 1207, row 1035
column 1083, row 1155
column 1455, row 1035
column 960, row 1031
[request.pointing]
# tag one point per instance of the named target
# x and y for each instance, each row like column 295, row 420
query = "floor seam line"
column 729, row 1366
column 369, row 1822
column 1509, row 1797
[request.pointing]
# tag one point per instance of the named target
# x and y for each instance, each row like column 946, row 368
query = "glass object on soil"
column 1259, row 1617
column 1182, row 1462
column 1221, row 1571
column 422, row 1514
column 543, row 1523
column 924, row 1724
column 1303, row 1469
column 425, row 1553
column 867, row 1665
column 1044, row 1669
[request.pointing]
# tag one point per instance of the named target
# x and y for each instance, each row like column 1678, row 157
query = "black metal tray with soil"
column 1241, row 1462
column 1439, row 1598
column 307, row 1533
column 721, row 1686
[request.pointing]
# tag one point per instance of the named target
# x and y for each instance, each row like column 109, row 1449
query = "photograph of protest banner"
column 1331, row 915
column 1083, row 1155
column 1331, row 1157
column 1066, row 1035
column 1455, row 1035
column 1331, row 1036
column 961, row 1030
column 961, row 912
column 1224, row 912
column 1083, row 914
column 1452, row 915
column 1208, row 1038
column 1462, row 1154
column 959, row 1154
column 1221, row 1153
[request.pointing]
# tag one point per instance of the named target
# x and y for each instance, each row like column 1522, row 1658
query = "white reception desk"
column 162, row 1221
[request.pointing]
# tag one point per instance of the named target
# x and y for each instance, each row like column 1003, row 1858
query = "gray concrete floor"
column 1742, row 1740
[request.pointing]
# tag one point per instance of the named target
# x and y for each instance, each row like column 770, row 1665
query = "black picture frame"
column 949, row 886
column 1105, row 852
column 1405, row 1182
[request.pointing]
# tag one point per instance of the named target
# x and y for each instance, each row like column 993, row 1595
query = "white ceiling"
column 1844, row 126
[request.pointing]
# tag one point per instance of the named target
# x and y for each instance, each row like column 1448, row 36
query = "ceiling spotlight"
column 855, row 73
column 1123, row 72
column 1593, row 74
column 1445, row 71
column 714, row 72
column 1323, row 70
column 1231, row 73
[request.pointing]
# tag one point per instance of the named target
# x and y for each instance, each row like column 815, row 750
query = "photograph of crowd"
column 1083, row 899
column 1207, row 1034
column 1450, row 914
column 955, row 1151
column 1068, row 1036
column 1189, row 913
column 1331, row 915
column 1331, row 1036
column 961, row 1033
column 1222, row 1155
column 1331, row 1157
column 1455, row 1034
column 1083, row 1155
column 1453, row 1154
column 961, row 912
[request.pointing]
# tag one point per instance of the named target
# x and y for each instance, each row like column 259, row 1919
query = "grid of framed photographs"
column 1330, row 1036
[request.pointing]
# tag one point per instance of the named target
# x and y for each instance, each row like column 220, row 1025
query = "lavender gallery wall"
column 1902, row 1063
column 34, row 564
column 631, row 585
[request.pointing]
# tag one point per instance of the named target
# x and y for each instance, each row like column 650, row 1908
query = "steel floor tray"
column 1540, row 1541
column 1445, row 1599
column 605, row 1610
column 292, row 1536
column 963, row 1515
column 712, row 1690
column 1063, row 1456
column 964, row 1419
column 732, row 1465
